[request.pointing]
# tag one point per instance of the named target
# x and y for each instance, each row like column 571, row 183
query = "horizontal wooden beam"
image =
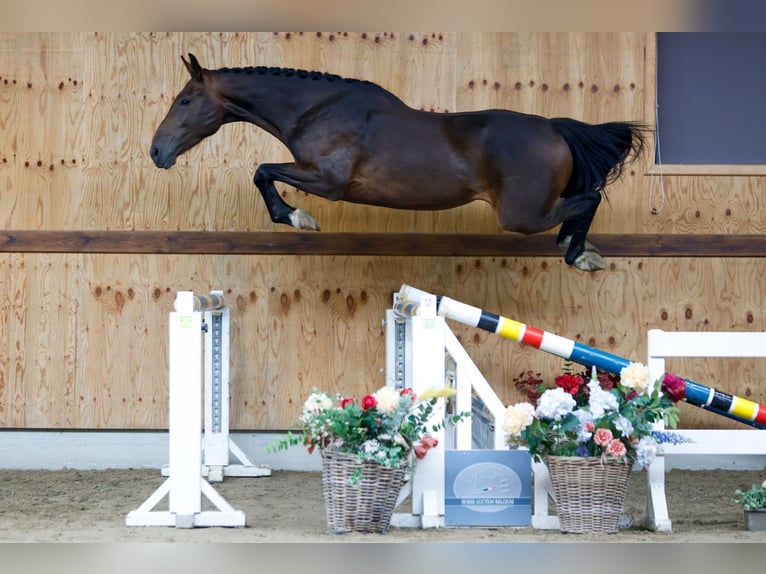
column 397, row 244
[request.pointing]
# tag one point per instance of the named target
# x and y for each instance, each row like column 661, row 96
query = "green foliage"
column 385, row 427
column 752, row 499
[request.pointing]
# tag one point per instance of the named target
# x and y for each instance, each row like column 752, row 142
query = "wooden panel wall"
column 84, row 334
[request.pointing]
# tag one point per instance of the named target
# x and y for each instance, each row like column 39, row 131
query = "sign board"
column 487, row 488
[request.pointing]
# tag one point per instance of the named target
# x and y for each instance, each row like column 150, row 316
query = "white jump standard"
column 217, row 445
column 422, row 353
column 661, row 344
column 185, row 485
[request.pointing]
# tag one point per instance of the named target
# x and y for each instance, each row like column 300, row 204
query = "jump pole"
column 185, row 485
column 718, row 402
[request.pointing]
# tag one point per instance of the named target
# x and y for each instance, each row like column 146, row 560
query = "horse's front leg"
column 279, row 210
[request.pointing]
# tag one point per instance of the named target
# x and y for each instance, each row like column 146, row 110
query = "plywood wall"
column 84, row 335
column 79, row 111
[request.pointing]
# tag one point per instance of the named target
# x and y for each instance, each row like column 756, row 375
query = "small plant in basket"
column 608, row 416
column 388, row 427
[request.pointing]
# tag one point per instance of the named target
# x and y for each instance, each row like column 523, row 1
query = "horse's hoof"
column 588, row 246
column 301, row 219
column 590, row 261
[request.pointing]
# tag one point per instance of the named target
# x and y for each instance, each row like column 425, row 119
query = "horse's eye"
column 184, row 101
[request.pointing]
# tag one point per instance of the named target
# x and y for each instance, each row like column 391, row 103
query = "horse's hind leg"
column 279, row 210
column 572, row 235
column 573, row 213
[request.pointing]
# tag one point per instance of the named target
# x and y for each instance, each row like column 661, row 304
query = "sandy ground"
column 91, row 506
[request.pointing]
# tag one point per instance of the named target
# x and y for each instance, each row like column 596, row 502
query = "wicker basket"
column 589, row 492
column 364, row 507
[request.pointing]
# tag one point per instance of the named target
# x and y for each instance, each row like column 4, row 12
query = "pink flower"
column 602, row 437
column 369, row 402
column 616, row 448
column 408, row 391
column 589, row 426
column 427, row 442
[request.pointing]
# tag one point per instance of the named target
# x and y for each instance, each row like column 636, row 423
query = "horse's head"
column 194, row 115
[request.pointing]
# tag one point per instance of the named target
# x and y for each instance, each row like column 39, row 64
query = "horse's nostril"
column 155, row 152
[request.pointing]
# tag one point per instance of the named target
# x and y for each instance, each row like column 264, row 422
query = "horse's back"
column 499, row 131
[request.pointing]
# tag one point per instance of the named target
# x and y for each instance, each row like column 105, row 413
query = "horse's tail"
column 599, row 151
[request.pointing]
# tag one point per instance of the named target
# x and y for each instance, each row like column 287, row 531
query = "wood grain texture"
column 85, row 336
column 96, row 240
column 111, row 106
column 414, row 244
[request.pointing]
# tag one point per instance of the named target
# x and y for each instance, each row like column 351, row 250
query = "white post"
column 216, row 438
column 417, row 343
column 217, row 442
column 185, row 412
column 185, row 486
column 425, row 340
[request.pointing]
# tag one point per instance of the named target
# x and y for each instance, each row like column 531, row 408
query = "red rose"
column 408, row 391
column 420, row 451
column 369, row 402
column 674, row 387
column 346, row 401
column 570, row 383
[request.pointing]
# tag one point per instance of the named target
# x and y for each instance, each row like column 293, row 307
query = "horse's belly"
column 413, row 194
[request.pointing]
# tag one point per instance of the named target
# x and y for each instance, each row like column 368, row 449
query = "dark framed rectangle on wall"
column 710, row 103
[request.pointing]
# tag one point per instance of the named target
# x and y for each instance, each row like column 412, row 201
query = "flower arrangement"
column 607, row 416
column 387, row 426
column 752, row 499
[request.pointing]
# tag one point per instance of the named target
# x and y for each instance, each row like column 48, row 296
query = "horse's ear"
column 193, row 66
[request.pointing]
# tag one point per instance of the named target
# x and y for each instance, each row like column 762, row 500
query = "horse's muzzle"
column 160, row 161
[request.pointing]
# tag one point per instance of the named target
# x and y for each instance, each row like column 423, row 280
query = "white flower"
column 624, row 425
column 517, row 418
column 635, row 376
column 646, row 451
column 388, row 399
column 555, row 404
column 586, row 426
column 370, row 447
column 316, row 403
column 600, row 401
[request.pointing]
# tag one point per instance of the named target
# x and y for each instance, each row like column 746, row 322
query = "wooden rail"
column 394, row 244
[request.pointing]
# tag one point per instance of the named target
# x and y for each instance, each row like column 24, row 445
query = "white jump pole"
column 185, row 486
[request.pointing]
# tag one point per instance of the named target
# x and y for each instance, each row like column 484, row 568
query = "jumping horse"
column 354, row 141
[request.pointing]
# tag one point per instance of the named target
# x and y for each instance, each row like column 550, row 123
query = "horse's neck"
column 273, row 103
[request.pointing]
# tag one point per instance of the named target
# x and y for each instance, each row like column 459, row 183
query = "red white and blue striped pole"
column 716, row 401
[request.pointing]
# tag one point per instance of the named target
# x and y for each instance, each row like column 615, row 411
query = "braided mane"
column 289, row 73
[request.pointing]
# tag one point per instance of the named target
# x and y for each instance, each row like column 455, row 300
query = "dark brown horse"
column 354, row 141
